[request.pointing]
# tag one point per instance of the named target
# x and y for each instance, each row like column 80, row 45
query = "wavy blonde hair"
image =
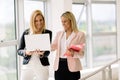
column 69, row 15
column 33, row 28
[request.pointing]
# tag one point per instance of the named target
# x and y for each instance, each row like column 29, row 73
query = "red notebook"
column 76, row 48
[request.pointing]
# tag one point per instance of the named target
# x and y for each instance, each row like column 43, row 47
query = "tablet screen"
column 37, row 41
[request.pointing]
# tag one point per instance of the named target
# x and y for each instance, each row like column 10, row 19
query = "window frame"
column 90, row 34
column 15, row 41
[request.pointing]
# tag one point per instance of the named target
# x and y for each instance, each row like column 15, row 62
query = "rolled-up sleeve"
column 82, row 40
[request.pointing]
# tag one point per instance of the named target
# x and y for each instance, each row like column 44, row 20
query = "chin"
column 39, row 28
column 65, row 30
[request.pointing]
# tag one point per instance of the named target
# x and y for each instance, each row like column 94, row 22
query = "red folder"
column 76, row 48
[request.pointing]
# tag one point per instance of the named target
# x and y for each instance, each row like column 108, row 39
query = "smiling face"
column 39, row 22
column 66, row 23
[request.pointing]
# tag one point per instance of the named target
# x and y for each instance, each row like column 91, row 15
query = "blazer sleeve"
column 46, row 53
column 21, row 49
column 82, row 40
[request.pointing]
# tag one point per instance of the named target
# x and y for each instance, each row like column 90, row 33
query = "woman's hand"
column 38, row 51
column 69, row 52
column 41, row 53
column 29, row 52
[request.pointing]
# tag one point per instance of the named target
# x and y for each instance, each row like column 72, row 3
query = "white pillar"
column 89, row 33
column 55, row 8
column 118, row 32
column 20, row 27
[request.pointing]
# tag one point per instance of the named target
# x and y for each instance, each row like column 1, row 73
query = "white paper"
column 37, row 41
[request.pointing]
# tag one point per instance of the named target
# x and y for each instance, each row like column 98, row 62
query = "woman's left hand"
column 70, row 52
column 38, row 51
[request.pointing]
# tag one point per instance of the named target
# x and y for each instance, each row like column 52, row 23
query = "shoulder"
column 27, row 31
column 60, row 32
column 48, row 31
column 81, row 33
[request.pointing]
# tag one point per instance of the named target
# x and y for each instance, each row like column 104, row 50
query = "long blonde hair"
column 33, row 28
column 69, row 15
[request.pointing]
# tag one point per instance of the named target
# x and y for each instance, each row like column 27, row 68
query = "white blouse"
column 65, row 43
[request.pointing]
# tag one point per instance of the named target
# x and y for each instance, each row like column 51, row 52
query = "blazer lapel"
column 59, row 40
column 73, row 37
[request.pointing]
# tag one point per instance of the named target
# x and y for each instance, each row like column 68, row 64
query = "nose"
column 39, row 22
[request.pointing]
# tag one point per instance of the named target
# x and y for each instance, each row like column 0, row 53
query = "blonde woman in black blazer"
column 35, row 63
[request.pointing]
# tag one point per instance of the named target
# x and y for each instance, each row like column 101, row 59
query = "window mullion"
column 89, row 33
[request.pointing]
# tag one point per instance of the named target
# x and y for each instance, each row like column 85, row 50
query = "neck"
column 68, row 32
column 39, row 31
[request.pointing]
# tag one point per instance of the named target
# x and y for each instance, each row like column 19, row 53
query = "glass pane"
column 8, row 69
column 104, row 46
column 104, row 49
column 29, row 7
column 7, row 20
column 80, row 14
column 103, row 18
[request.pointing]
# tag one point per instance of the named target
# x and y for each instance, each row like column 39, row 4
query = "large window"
column 7, row 20
column 103, row 32
column 8, row 63
column 29, row 7
column 80, row 14
column 103, row 16
column 8, row 69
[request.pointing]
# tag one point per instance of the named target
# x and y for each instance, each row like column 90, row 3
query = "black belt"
column 63, row 59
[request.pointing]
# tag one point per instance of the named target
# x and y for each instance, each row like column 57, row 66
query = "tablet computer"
column 37, row 41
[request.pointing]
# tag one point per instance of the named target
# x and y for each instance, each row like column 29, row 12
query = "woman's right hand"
column 29, row 52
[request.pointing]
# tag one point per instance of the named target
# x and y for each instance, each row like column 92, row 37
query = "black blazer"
column 44, row 60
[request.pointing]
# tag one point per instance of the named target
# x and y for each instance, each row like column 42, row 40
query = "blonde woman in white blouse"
column 68, row 68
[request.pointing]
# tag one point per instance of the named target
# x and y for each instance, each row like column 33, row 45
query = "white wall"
column 55, row 10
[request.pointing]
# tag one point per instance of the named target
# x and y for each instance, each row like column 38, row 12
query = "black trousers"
column 63, row 72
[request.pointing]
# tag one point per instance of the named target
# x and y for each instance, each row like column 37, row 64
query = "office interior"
column 98, row 19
